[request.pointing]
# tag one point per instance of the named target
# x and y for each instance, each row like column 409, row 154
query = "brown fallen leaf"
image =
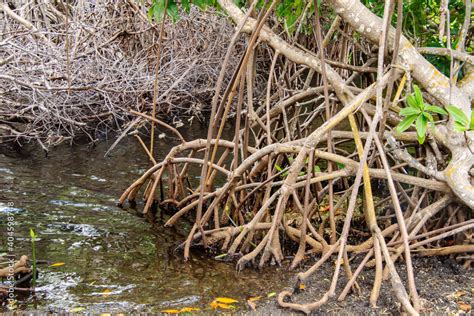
column 251, row 304
column 459, row 293
column 465, row 307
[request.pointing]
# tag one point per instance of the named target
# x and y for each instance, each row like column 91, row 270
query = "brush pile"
column 71, row 68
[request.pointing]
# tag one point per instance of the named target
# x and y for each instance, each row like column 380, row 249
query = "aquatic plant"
column 33, row 255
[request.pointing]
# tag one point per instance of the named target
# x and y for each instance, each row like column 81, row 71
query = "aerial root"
column 283, row 186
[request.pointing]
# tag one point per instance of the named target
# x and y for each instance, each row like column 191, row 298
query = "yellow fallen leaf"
column 226, row 300
column 57, row 264
column 215, row 305
column 189, row 309
column 77, row 310
column 256, row 298
column 106, row 293
column 302, row 286
column 171, row 311
column 272, row 294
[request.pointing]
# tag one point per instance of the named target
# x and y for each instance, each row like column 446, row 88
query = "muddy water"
column 69, row 199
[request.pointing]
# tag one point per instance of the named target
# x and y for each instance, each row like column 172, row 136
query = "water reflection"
column 113, row 261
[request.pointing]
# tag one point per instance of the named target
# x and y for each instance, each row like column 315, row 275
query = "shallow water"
column 69, row 199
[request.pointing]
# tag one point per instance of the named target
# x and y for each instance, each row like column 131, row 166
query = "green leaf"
column 173, row 11
column 418, row 96
column 32, row 233
column 458, row 115
column 406, row 123
column 151, row 12
column 459, row 127
column 411, row 100
column 472, row 121
column 436, row 109
column 201, row 4
column 428, row 116
column 409, row 111
column 277, row 167
column 159, row 10
column 186, row 5
column 421, row 125
column 340, row 165
column 317, row 169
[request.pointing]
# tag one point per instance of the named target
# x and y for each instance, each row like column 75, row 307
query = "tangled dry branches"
column 82, row 67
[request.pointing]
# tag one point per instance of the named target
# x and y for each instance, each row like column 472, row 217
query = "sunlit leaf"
column 57, row 264
column 436, row 109
column 226, row 300
column 150, row 12
column 272, row 294
column 411, row 100
column 32, row 233
column 428, row 116
column 302, row 286
column 418, row 97
column 421, row 125
column 458, row 115
column 406, row 123
column 409, row 111
column 458, row 127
